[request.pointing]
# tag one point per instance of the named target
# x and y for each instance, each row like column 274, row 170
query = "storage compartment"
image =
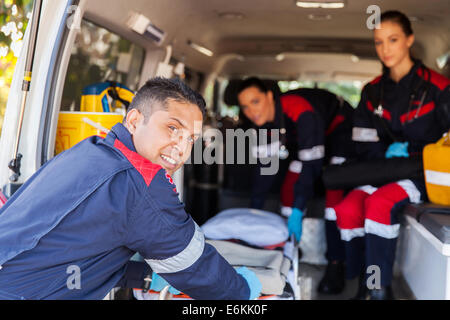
column 424, row 252
column 76, row 126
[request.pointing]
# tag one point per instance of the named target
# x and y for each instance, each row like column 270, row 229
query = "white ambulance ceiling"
column 247, row 35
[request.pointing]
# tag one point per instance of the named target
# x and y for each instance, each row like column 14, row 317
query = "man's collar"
column 120, row 132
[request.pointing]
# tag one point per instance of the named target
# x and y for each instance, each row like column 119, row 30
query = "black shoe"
column 362, row 293
column 384, row 293
column 333, row 282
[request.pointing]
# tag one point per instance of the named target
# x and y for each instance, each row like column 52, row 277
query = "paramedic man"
column 95, row 205
column 318, row 128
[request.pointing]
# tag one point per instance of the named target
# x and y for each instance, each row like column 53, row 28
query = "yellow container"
column 103, row 97
column 76, row 126
column 436, row 163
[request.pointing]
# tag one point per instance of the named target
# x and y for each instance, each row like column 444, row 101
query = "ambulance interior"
column 211, row 45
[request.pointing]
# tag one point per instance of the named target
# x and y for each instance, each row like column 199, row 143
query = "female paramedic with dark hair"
column 413, row 101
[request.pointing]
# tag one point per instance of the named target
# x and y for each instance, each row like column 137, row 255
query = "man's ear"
column 132, row 118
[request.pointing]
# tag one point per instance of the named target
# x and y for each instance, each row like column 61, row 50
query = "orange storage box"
column 436, row 164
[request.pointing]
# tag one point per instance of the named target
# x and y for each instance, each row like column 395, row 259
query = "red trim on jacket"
column 3, row 199
column 294, row 106
column 423, row 110
column 146, row 168
column 386, row 114
column 435, row 78
column 376, row 80
column 336, row 121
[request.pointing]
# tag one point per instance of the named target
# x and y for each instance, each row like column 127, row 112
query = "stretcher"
column 239, row 237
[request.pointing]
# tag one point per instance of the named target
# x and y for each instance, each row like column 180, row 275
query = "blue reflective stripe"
column 184, row 259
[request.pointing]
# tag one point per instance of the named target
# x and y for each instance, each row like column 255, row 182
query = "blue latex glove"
column 252, row 280
column 158, row 283
column 397, row 149
column 295, row 223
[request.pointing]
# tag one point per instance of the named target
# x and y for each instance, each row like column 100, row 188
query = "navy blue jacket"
column 87, row 211
column 402, row 112
column 318, row 127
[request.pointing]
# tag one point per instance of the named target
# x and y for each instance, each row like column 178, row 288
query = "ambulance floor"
column 315, row 272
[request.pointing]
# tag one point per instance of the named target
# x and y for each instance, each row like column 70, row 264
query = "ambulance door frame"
column 38, row 95
column 55, row 83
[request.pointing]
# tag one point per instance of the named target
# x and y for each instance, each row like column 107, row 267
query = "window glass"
column 226, row 110
column 349, row 90
column 97, row 56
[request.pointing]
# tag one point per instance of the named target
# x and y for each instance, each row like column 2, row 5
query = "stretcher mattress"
column 256, row 227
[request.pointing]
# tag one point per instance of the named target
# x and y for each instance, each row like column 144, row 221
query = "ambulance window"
column 349, row 90
column 99, row 55
column 230, row 111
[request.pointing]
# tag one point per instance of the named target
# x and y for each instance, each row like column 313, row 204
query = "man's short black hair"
column 252, row 82
column 157, row 91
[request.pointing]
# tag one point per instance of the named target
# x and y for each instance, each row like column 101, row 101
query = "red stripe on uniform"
column 386, row 114
column 435, row 78
column 380, row 203
column 376, row 80
column 3, row 199
column 369, row 106
column 423, row 110
column 336, row 121
column 146, row 168
column 287, row 189
column 294, row 106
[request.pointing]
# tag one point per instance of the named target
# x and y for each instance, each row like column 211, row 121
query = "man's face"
column 258, row 106
column 169, row 134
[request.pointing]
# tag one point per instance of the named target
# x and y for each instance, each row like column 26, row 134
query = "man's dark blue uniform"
column 93, row 207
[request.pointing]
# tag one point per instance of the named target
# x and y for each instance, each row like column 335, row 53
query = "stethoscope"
column 283, row 152
column 379, row 110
